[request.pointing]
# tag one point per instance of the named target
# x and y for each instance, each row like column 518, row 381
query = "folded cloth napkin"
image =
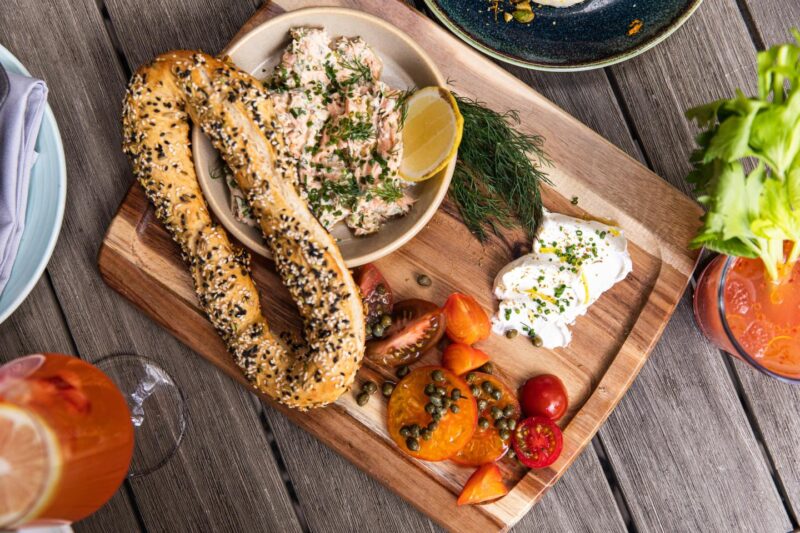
column 20, row 120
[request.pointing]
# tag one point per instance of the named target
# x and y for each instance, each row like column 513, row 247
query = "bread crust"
column 235, row 112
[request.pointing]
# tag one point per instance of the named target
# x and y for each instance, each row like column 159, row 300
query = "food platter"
column 591, row 34
column 609, row 346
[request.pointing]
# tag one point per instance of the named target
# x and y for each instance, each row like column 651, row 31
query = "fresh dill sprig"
column 361, row 72
column 498, row 171
column 402, row 103
column 389, row 191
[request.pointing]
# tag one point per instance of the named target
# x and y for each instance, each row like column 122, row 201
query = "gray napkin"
column 20, row 120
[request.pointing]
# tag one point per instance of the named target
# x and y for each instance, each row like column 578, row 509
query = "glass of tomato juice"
column 750, row 316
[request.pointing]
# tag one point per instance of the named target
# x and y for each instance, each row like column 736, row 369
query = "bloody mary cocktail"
column 750, row 316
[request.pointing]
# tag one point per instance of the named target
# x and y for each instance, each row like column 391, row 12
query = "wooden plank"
column 225, row 462
column 139, row 260
column 774, row 404
column 683, row 419
column 38, row 326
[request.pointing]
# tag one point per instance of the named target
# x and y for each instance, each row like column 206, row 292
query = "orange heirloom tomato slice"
column 461, row 358
column 407, row 408
column 486, row 444
column 485, row 485
column 466, row 320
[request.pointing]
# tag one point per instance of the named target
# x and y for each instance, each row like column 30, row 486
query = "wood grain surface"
column 137, row 254
column 642, row 449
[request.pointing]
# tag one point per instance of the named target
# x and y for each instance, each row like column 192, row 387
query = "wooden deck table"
column 700, row 442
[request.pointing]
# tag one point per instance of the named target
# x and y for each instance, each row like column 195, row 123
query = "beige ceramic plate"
column 404, row 65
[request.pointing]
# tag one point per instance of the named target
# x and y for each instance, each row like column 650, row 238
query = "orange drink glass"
column 751, row 317
column 66, row 440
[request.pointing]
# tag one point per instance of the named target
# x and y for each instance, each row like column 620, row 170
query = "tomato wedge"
column 411, row 423
column 417, row 325
column 461, row 358
column 537, row 442
column 487, row 444
column 484, row 485
column 375, row 293
column 467, row 322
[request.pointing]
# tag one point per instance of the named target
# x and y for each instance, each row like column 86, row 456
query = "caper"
column 455, row 408
column 387, row 388
column 430, row 408
column 370, row 387
column 437, row 375
column 378, row 331
column 475, row 390
column 522, row 16
column 386, row 321
column 437, row 415
column 424, row 280
column 425, row 434
column 487, row 387
column 432, row 425
column 441, row 391
column 405, row 431
column 483, row 423
column 537, row 341
column 512, row 424
column 505, row 434
column 471, row 377
column 413, row 444
column 501, row 423
column 510, row 334
column 455, row 394
column 488, row 368
column 430, row 389
column 402, row 371
column 482, row 404
column 414, row 428
column 496, row 394
column 446, row 402
column 436, row 400
column 362, row 398
column 508, row 411
column 496, row 413
column 380, row 288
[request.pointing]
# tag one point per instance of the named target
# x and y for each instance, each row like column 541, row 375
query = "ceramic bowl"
column 46, row 200
column 592, row 34
column 405, row 65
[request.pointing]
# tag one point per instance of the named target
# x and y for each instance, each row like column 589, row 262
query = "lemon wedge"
column 431, row 133
column 30, row 465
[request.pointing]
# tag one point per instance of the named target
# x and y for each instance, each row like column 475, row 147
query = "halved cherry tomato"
column 484, row 485
column 417, row 325
column 461, row 358
column 544, row 395
column 375, row 293
column 537, row 442
column 467, row 322
column 486, row 444
column 406, row 409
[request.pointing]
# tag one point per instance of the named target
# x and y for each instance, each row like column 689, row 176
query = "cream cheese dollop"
column 573, row 262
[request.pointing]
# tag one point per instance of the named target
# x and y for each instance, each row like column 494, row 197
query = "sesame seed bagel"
column 236, row 113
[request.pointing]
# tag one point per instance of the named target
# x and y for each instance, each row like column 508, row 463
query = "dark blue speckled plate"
column 593, row 34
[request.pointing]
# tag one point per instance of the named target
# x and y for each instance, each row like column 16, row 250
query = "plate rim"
column 568, row 67
column 49, row 120
column 449, row 170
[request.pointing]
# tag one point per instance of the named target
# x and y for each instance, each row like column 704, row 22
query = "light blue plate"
column 46, row 201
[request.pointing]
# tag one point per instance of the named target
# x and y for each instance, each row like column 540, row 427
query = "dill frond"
column 498, row 172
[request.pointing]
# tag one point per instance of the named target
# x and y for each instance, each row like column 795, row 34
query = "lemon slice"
column 30, row 465
column 431, row 133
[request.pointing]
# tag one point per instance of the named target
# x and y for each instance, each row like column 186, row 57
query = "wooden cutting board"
column 610, row 345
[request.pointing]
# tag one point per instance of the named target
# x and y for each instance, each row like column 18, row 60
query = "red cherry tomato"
column 467, row 322
column 544, row 395
column 537, row 442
